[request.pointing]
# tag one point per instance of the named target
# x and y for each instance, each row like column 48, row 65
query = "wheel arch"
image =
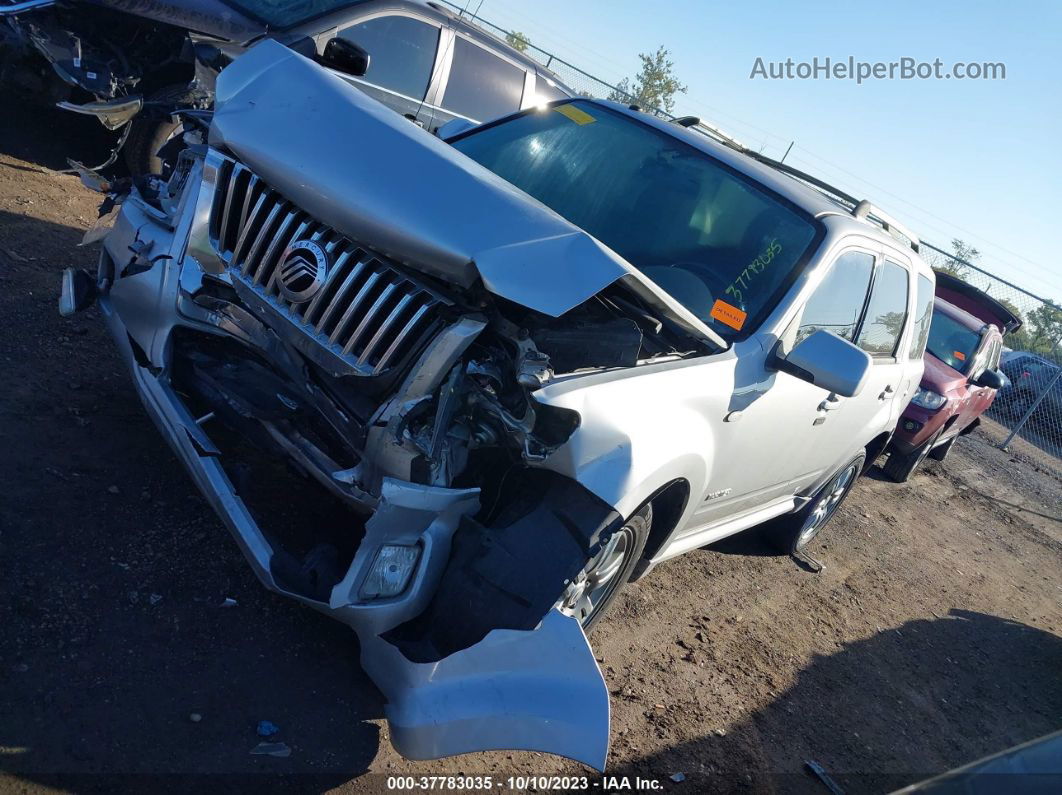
column 669, row 505
column 874, row 448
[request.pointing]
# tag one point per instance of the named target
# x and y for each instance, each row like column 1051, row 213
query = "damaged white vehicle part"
column 453, row 685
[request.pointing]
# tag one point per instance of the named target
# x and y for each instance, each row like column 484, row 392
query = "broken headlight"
column 390, row 572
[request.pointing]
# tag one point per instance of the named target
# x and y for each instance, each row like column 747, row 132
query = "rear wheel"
column 900, row 466
column 593, row 590
column 794, row 532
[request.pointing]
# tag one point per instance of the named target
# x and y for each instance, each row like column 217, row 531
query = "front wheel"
column 594, row 589
column 152, row 129
column 900, row 466
column 794, row 532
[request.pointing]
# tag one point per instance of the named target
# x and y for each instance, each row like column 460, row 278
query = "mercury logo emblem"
column 303, row 269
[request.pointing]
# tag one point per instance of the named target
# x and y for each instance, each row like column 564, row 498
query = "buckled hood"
column 212, row 17
column 364, row 170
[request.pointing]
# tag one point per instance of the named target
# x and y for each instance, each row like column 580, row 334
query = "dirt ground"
column 931, row 638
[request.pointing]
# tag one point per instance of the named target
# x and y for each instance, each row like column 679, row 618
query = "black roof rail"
column 860, row 208
column 867, row 210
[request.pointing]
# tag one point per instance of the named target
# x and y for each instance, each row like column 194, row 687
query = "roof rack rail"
column 867, row 210
column 859, row 208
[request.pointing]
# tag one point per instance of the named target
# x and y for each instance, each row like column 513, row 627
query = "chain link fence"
column 1030, row 405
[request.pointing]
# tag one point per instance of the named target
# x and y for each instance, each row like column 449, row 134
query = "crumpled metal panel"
column 535, row 691
column 361, row 168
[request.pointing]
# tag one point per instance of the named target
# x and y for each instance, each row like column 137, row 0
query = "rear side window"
column 838, row 302
column 886, row 311
column 923, row 318
column 482, row 85
column 401, row 52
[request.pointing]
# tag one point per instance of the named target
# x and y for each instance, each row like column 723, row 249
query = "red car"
column 960, row 379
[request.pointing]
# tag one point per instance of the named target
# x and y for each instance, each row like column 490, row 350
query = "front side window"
column 837, row 303
column 923, row 317
column 482, row 85
column 718, row 242
column 886, row 311
column 401, row 52
column 952, row 342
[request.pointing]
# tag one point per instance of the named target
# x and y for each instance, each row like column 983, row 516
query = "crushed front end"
column 278, row 351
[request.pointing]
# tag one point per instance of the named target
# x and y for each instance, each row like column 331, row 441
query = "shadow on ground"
column 114, row 569
column 46, row 137
column 899, row 700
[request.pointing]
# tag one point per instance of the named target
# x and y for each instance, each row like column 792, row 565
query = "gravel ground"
column 930, row 639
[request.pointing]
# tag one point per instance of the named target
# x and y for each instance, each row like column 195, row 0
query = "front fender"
column 640, row 430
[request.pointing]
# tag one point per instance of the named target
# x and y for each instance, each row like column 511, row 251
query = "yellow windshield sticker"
column 575, row 114
column 727, row 314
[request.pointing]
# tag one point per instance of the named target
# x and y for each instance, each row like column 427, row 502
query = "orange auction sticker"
column 727, row 314
column 960, row 356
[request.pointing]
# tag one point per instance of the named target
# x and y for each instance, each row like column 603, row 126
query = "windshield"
column 952, row 342
column 284, row 14
column 718, row 243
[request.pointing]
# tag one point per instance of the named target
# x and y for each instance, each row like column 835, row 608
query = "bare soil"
column 930, row 639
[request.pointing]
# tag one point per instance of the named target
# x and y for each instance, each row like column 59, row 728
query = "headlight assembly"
column 928, row 399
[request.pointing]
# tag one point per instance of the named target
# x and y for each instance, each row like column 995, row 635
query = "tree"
column 963, row 254
column 1046, row 333
column 655, row 86
column 517, row 40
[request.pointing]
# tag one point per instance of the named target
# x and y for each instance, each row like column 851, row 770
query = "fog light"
column 390, row 572
column 911, row 425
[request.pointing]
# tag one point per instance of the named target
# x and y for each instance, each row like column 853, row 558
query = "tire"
column 900, row 466
column 940, row 453
column 588, row 600
column 152, row 129
column 790, row 534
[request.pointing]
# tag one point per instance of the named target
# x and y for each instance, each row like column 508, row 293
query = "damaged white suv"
column 529, row 363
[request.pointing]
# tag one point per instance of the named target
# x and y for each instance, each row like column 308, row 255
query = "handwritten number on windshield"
column 754, row 268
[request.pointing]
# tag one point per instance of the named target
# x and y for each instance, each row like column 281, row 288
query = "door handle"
column 885, row 392
column 831, row 403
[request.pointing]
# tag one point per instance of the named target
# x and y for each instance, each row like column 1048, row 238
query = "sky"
column 973, row 159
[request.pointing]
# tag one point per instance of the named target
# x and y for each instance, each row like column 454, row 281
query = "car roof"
column 439, row 13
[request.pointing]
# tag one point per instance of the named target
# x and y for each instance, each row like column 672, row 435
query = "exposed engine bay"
column 99, row 53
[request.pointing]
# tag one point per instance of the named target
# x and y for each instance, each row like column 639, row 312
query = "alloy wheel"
column 601, row 576
column 826, row 503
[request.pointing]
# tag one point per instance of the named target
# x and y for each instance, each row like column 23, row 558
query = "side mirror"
column 989, row 378
column 827, row 361
column 345, row 56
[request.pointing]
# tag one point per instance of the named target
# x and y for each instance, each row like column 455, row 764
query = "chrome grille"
column 367, row 314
